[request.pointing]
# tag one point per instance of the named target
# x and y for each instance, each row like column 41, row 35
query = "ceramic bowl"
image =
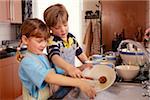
column 127, row 72
column 111, row 58
column 96, row 72
column 132, row 57
column 96, row 57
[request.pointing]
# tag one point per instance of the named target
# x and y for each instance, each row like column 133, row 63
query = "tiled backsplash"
column 7, row 32
column 7, row 42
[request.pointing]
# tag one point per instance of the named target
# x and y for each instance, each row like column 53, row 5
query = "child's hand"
column 75, row 72
column 88, row 90
column 87, row 65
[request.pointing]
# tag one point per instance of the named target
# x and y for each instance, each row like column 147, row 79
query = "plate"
column 96, row 72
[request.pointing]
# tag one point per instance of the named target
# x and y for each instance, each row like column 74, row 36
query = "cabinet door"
column 4, row 11
column 10, row 84
column 16, row 11
column 17, row 86
column 6, row 80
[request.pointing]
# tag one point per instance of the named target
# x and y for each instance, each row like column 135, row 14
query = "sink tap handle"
column 146, row 94
column 145, row 84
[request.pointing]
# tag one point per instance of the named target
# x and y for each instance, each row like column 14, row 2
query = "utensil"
column 89, row 78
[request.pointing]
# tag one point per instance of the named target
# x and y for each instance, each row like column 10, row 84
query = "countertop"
column 119, row 91
column 10, row 52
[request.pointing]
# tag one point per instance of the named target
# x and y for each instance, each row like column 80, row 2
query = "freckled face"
column 60, row 30
column 36, row 45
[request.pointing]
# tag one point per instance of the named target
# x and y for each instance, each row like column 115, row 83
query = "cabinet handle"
column 11, row 10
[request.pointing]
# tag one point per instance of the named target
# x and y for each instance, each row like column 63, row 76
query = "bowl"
column 127, row 72
column 111, row 58
column 98, row 71
column 132, row 57
column 96, row 57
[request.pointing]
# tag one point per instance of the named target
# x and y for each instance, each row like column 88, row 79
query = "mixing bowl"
column 96, row 72
column 127, row 72
column 132, row 57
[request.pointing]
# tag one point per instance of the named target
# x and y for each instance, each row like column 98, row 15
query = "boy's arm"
column 70, row 69
column 83, row 58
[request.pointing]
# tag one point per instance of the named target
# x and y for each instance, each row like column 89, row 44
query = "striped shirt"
column 67, row 50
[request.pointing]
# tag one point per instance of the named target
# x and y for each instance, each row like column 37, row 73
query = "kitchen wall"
column 7, row 32
column 119, row 14
column 127, row 15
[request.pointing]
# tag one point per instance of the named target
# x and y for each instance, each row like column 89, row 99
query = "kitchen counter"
column 9, row 48
column 9, row 53
column 120, row 91
column 123, row 91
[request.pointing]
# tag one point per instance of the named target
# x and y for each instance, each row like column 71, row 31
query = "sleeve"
column 35, row 71
column 53, row 49
column 78, row 49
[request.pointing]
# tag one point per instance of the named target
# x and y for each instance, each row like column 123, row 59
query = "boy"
column 63, row 46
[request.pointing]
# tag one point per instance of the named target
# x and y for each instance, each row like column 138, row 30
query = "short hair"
column 55, row 14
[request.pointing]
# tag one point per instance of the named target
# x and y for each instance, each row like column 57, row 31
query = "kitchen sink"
column 123, row 91
column 119, row 91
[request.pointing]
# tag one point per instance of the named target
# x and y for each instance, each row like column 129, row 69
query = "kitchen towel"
column 92, row 39
column 88, row 39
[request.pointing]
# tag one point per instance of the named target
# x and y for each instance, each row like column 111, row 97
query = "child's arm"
column 83, row 58
column 57, row 79
column 70, row 69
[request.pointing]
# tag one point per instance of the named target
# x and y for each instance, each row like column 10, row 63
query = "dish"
column 96, row 72
column 132, row 57
column 127, row 72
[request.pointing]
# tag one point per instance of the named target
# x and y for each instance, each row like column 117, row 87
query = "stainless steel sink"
column 118, row 91
column 123, row 91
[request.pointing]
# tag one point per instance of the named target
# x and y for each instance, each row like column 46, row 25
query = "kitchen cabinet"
column 17, row 87
column 10, row 85
column 4, row 11
column 16, row 11
column 11, row 11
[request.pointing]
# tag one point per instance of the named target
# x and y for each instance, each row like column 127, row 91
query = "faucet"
column 146, row 85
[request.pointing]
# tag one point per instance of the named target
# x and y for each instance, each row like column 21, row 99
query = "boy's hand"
column 87, row 65
column 75, row 72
